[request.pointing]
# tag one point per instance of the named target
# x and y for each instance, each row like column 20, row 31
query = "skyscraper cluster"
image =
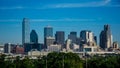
column 86, row 37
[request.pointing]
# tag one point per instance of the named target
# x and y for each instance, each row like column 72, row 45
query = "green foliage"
column 61, row 60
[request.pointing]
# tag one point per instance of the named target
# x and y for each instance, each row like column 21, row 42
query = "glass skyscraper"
column 60, row 37
column 73, row 36
column 25, row 31
column 48, row 31
column 33, row 37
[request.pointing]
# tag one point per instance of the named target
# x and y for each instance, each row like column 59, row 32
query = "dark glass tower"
column 33, row 37
column 60, row 37
column 48, row 32
column 73, row 36
column 102, row 40
column 25, row 31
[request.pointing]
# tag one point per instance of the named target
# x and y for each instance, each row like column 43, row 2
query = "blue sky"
column 62, row 15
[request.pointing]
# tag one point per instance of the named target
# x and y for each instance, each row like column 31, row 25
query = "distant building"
column 30, row 46
column 60, row 37
column 48, row 32
column 75, row 47
column 106, row 37
column 102, row 40
column 68, row 44
column 115, row 45
column 34, row 53
column 90, row 48
column 33, row 37
column 1, row 49
column 25, row 31
column 18, row 49
column 78, row 41
column 8, row 48
column 73, row 36
column 95, row 38
column 54, row 48
column 87, row 36
column 49, row 41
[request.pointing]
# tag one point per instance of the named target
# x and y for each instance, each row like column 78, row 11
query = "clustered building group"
column 86, row 42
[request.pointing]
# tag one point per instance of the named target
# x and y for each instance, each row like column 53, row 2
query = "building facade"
column 87, row 36
column 60, row 37
column 49, row 41
column 48, row 32
column 106, row 37
column 73, row 36
column 33, row 37
column 25, row 31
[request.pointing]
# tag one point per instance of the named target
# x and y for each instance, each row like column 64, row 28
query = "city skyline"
column 68, row 15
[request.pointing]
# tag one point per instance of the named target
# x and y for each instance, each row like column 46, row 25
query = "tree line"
column 62, row 60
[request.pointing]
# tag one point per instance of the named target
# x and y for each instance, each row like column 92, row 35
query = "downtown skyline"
column 72, row 15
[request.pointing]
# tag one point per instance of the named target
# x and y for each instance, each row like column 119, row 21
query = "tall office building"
column 33, row 37
column 49, row 41
column 87, row 36
column 102, row 39
column 73, row 36
column 106, row 37
column 25, row 31
column 60, row 37
column 48, row 32
column 7, row 48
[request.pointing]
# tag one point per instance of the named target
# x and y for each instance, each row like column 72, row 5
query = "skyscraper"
column 102, row 39
column 49, row 41
column 73, row 36
column 25, row 31
column 60, row 37
column 106, row 37
column 48, row 32
column 33, row 37
column 87, row 36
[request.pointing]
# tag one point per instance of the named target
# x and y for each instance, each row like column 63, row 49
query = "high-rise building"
column 25, row 31
column 106, row 37
column 49, row 41
column 87, row 36
column 60, row 37
column 68, row 43
column 48, row 32
column 73, row 36
column 8, row 48
column 102, row 39
column 33, row 37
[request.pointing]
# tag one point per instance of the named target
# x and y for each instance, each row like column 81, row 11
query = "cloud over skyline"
column 46, row 20
column 101, row 3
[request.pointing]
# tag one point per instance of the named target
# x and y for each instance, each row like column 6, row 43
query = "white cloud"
column 99, row 3
column 73, row 5
column 14, row 7
column 47, row 20
column 65, row 19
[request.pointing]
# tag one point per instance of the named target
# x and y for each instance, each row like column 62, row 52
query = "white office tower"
column 68, row 43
